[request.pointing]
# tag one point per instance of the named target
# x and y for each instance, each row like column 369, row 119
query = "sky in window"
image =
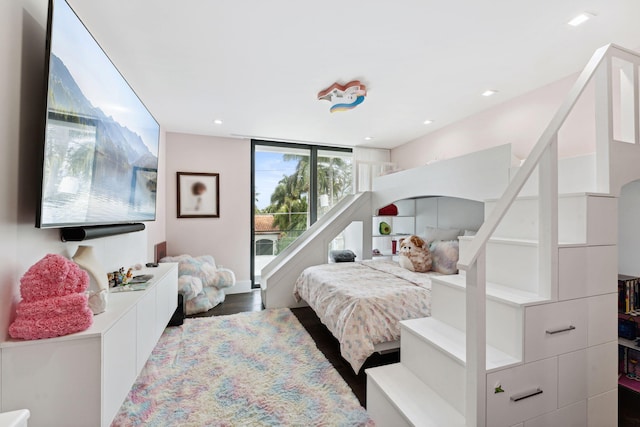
column 270, row 168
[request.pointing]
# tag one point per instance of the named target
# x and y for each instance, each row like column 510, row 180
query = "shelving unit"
column 629, row 360
column 402, row 225
column 628, row 347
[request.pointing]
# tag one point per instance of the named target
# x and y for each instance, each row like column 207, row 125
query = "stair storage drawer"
column 522, row 392
column 552, row 329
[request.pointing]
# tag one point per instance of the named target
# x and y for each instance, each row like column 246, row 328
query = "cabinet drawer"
column 552, row 329
column 529, row 390
column 586, row 271
column 570, row 416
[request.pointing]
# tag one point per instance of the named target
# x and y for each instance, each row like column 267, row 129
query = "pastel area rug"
column 250, row 369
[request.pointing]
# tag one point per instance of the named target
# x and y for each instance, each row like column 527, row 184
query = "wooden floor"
column 325, row 341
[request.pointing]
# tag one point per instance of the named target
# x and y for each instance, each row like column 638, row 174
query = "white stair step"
column 504, row 307
column 574, row 209
column 435, row 352
column 510, row 262
column 451, row 341
column 395, row 397
column 575, row 175
column 496, row 292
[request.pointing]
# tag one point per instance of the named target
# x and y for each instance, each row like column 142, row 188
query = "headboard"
column 159, row 251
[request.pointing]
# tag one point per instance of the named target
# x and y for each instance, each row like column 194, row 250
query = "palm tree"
column 289, row 199
column 334, row 176
column 288, row 205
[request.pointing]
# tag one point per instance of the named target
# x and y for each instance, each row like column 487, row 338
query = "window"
column 293, row 186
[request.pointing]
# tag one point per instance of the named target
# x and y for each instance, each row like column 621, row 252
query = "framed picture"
column 198, row 195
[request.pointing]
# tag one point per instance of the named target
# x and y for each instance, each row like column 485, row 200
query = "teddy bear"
column 414, row 254
column 54, row 301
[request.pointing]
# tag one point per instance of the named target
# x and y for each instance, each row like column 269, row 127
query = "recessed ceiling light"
column 580, row 19
column 217, row 122
column 489, row 92
column 427, row 122
column 368, row 138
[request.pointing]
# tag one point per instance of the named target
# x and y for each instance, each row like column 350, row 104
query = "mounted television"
column 100, row 163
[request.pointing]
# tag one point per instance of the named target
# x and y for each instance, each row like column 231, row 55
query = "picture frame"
column 198, row 195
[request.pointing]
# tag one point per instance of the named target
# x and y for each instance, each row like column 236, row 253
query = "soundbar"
column 78, row 234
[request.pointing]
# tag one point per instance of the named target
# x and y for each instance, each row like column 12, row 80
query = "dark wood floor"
column 325, row 341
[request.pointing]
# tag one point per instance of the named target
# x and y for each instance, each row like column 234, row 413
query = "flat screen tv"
column 100, row 162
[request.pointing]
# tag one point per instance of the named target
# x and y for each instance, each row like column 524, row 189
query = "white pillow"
column 469, row 233
column 432, row 234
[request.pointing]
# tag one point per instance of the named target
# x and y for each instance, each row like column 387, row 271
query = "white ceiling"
column 259, row 64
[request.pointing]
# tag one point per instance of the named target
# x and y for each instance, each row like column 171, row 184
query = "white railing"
column 367, row 171
column 611, row 122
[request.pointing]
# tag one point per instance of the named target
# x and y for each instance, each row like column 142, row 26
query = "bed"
column 362, row 303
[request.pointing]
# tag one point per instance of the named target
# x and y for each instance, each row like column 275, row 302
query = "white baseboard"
column 241, row 287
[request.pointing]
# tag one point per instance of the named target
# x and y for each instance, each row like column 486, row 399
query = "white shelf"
column 402, row 225
column 628, row 343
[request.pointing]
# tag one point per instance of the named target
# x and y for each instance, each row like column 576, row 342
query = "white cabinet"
column 522, row 392
column 82, row 379
column 556, row 328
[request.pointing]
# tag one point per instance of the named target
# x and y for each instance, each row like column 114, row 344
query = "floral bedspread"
column 361, row 303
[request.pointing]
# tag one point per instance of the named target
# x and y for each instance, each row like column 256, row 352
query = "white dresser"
column 82, row 379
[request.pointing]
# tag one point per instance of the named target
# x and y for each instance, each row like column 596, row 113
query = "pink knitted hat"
column 53, row 300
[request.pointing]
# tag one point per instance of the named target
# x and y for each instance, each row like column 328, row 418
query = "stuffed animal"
column 414, row 254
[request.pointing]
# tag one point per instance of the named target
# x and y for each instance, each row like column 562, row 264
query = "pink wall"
column 519, row 121
column 227, row 238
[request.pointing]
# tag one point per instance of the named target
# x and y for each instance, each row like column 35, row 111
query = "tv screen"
column 100, row 161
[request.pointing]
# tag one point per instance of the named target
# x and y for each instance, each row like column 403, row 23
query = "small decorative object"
column 498, row 389
column 99, row 283
column 198, row 195
column 627, row 329
column 390, row 210
column 394, row 246
column 54, row 302
column 119, row 277
column 384, row 228
column 415, row 255
column 344, row 97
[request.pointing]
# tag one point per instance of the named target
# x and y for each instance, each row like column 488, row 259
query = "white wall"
column 22, row 50
column 227, row 238
column 519, row 122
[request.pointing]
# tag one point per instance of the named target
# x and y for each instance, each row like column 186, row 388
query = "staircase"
column 526, row 333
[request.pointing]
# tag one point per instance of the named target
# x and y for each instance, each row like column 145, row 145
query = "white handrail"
column 523, row 174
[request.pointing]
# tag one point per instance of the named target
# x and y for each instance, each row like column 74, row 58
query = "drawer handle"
column 556, row 331
column 526, row 394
